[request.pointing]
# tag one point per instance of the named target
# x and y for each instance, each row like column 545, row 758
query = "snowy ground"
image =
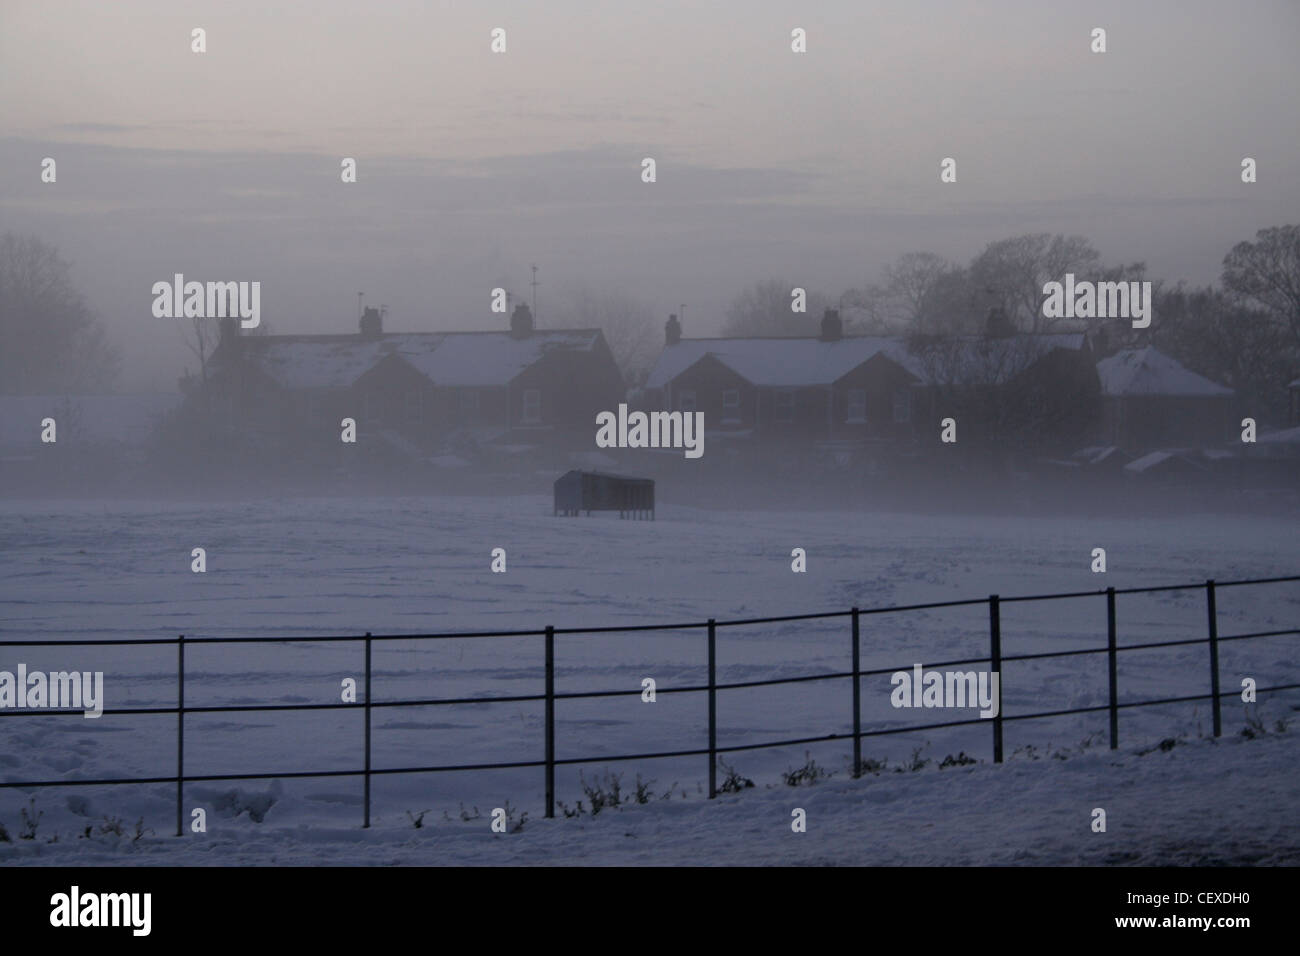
column 1161, row 810
column 391, row 566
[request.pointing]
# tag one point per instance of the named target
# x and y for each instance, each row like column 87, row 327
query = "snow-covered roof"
column 1157, row 458
column 492, row 358
column 803, row 362
column 1148, row 371
column 780, row 362
column 446, row 358
column 1097, row 454
column 97, row 419
column 327, row 361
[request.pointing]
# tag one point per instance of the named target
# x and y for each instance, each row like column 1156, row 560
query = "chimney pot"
column 372, row 323
column 672, row 331
column 521, row 321
column 832, row 327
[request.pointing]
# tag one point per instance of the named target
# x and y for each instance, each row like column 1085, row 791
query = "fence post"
column 713, row 710
column 367, row 797
column 1211, row 608
column 995, row 664
column 550, row 720
column 1112, row 664
column 180, row 733
column 857, row 701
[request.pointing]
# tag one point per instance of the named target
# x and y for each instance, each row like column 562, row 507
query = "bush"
column 867, row 765
column 916, row 763
column 513, row 825
column 570, row 812
column 733, row 782
column 31, row 819
column 961, row 760
column 643, row 793
column 603, row 793
column 417, row 819
column 1255, row 726
column 809, row 773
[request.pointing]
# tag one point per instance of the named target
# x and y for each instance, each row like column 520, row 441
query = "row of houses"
column 545, row 386
column 838, row 388
column 425, row 394
column 417, row 388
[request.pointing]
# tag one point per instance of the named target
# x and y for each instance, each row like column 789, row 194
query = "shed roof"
column 1157, row 459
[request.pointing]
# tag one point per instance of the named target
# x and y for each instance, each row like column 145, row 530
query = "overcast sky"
column 817, row 168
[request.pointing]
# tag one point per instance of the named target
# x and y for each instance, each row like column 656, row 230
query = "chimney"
column 521, row 322
column 372, row 323
column 672, row 331
column 832, row 327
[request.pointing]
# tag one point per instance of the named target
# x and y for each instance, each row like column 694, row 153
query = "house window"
column 857, row 413
column 532, row 405
column 686, row 400
column 785, row 405
column 468, row 400
column 731, row 405
column 902, row 406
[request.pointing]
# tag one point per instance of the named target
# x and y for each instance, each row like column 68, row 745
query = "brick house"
column 1149, row 400
column 827, row 388
column 419, row 387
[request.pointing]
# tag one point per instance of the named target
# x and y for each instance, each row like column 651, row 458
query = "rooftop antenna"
column 534, row 284
column 681, row 314
column 361, row 309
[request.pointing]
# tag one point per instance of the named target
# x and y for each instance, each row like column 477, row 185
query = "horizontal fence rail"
column 995, row 659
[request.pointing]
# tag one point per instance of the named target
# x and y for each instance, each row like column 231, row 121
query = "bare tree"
column 628, row 323
column 1011, row 273
column 1266, row 273
column 764, row 309
column 921, row 294
column 1019, row 392
column 50, row 341
column 201, row 337
column 1229, row 341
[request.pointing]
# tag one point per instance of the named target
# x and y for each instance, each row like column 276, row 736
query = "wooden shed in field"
column 589, row 491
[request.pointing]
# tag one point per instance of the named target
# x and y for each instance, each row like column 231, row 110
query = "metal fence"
column 549, row 762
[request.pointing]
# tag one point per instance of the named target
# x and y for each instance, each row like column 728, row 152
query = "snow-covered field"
column 297, row 567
